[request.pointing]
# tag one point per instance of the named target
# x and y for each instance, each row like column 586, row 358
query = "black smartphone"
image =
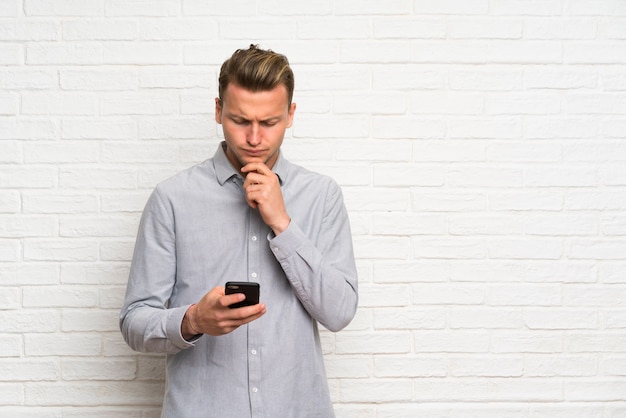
column 250, row 289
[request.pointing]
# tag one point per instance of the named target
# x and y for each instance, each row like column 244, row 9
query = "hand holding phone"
column 250, row 289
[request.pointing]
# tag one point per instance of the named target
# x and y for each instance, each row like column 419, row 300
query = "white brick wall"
column 480, row 144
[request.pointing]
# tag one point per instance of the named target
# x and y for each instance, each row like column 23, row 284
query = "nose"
column 254, row 134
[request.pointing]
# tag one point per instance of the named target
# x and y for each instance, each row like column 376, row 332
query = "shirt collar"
column 224, row 170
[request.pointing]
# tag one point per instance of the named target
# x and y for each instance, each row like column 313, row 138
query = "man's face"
column 254, row 124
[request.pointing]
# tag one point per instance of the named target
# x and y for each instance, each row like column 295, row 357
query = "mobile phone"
column 250, row 289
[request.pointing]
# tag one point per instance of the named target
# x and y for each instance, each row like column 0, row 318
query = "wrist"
column 190, row 328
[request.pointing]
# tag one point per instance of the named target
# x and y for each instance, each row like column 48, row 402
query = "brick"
column 382, row 247
column 191, row 127
column 428, row 201
column 561, row 272
column 11, row 54
column 411, row 28
column 527, row 342
column 24, row 370
column 58, row 104
column 99, row 128
column 29, row 31
column 10, row 297
column 597, row 249
column 447, row 294
column 94, row 80
column 139, row 8
column 447, row 248
column 560, row 28
column 10, row 201
column 10, row 8
column 536, row 249
column 30, row 274
column 526, row 201
column 94, row 393
column 407, row 77
column 62, row 53
column 269, row 28
column 609, row 390
column 379, row 390
column 63, row 8
column 57, row 296
column 27, row 79
column 60, row 250
column 454, row 7
column 561, row 365
column 143, row 53
column 152, row 152
column 455, row 102
column 408, row 175
column 409, row 318
column 28, row 129
column 595, row 342
column 449, row 52
column 28, row 321
column 333, row 28
column 561, row 319
column 486, row 271
column 408, row 128
column 384, row 342
column 559, row 127
column 100, row 30
column 481, row 366
column 347, row 366
column 11, row 152
column 11, row 394
column 52, row 344
column 458, row 342
column 409, row 271
column 485, row 318
column 10, row 345
column 597, row 52
column 375, row 51
column 95, row 274
column 358, row 199
column 82, row 369
column 10, row 250
column 485, row 177
column 561, row 78
column 526, row 7
column 486, row 79
column 60, row 152
column 149, row 103
column 408, row 224
column 593, row 295
column 90, row 178
column 561, row 225
column 92, row 320
column 59, row 203
column 31, row 226
column 352, row 7
column 485, row 28
column 497, row 127
column 485, row 224
column 488, row 390
column 409, row 366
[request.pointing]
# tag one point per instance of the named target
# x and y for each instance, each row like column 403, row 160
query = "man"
column 247, row 214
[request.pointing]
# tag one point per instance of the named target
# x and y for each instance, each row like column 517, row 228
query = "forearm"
column 325, row 282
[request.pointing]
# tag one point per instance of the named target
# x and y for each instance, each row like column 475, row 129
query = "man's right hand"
column 211, row 315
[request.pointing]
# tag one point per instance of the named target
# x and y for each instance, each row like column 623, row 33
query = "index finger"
column 255, row 166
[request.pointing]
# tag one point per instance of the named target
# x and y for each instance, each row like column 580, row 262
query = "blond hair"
column 256, row 69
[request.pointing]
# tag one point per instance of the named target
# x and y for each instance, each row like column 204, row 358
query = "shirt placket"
column 254, row 334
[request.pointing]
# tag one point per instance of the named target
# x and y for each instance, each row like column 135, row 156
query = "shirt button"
column 255, row 390
column 253, row 238
column 253, row 352
column 253, row 275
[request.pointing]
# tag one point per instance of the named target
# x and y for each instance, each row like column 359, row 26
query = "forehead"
column 235, row 94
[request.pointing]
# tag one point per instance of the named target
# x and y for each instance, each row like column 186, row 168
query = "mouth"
column 254, row 153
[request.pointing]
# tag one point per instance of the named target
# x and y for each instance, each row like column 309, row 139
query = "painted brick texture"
column 480, row 146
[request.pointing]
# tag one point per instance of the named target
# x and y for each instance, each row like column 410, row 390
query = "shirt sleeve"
column 146, row 321
column 322, row 272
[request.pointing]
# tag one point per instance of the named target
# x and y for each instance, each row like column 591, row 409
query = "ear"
column 218, row 110
column 292, row 111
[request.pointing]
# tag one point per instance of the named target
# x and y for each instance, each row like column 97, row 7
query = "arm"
column 146, row 323
column 323, row 274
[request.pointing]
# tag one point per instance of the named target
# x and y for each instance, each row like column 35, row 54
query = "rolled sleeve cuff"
column 173, row 325
column 287, row 243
